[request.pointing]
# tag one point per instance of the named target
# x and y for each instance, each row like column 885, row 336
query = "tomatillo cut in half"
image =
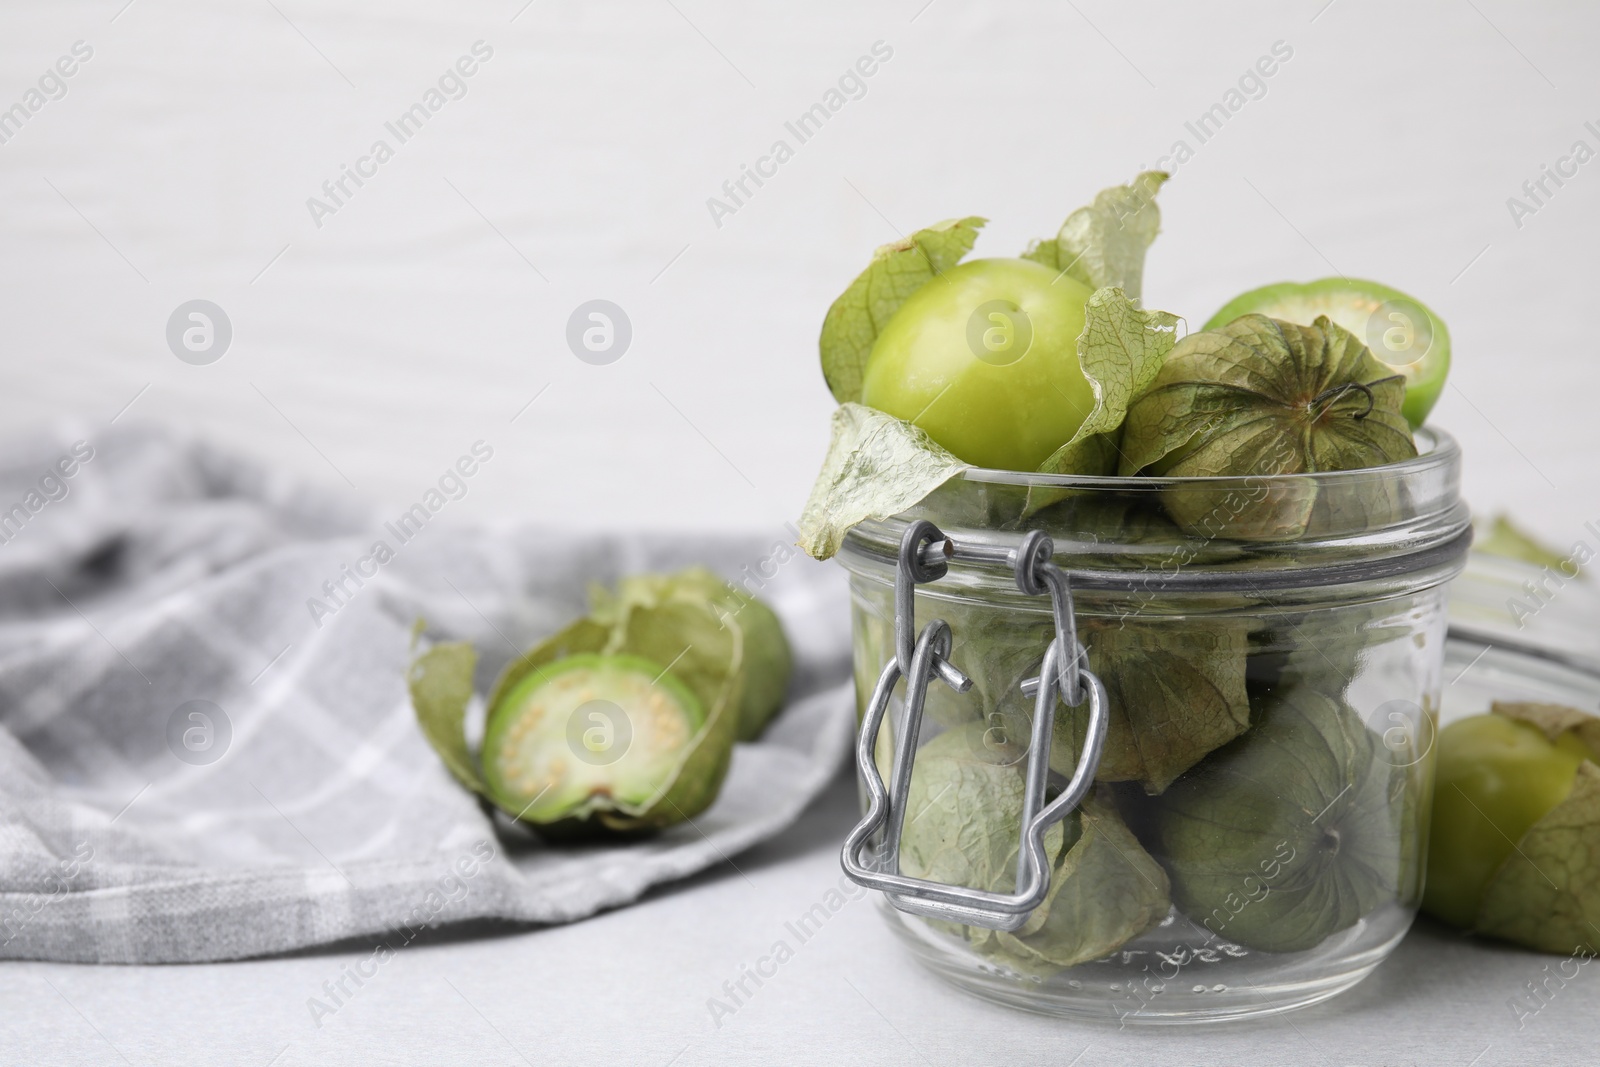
column 586, row 726
column 587, row 734
column 984, row 358
column 1398, row 329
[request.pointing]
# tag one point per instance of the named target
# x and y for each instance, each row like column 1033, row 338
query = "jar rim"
column 1417, row 536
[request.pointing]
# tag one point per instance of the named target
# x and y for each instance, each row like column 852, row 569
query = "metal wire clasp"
column 925, row 554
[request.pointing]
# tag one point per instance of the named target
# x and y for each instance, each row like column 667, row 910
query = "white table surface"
column 374, row 349
column 632, row 986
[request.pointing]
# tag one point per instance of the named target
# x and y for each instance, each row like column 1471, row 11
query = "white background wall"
column 179, row 163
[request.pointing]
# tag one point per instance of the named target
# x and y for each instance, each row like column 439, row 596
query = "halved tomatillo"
column 583, row 729
column 587, row 733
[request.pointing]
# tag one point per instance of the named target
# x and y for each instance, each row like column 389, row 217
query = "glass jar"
column 1268, row 654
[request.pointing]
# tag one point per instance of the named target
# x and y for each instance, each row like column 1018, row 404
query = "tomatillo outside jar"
column 1144, row 749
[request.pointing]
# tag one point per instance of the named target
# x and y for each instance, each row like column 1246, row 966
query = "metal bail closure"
column 924, row 556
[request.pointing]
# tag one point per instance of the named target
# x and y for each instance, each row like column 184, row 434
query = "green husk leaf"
column 1131, row 519
column 1177, row 693
column 1259, row 397
column 768, row 661
column 897, row 270
column 708, row 658
column 440, row 681
column 963, row 816
column 1553, row 720
column 1509, row 541
column 1094, row 453
column 963, row 828
column 872, row 643
column 877, row 466
column 768, row 664
column 1547, row 893
column 997, row 648
column 1346, row 509
column 578, row 636
column 962, row 810
column 1121, row 351
column 1104, row 244
column 1291, row 833
column 1104, row 892
column 1324, row 648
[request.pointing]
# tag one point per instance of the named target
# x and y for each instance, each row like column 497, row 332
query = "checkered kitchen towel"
column 193, row 767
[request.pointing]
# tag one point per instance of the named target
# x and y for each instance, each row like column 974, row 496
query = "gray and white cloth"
column 195, row 764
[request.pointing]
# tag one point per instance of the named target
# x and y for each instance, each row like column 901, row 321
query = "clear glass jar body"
column 1272, row 652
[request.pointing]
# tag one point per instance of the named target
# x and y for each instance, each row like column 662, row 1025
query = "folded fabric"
column 206, row 746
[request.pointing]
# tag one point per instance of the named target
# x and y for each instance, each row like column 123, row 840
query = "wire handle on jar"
column 925, row 555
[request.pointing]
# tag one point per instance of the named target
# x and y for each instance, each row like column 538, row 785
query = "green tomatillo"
column 1259, row 397
column 984, row 358
column 1516, row 826
column 1290, row 833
